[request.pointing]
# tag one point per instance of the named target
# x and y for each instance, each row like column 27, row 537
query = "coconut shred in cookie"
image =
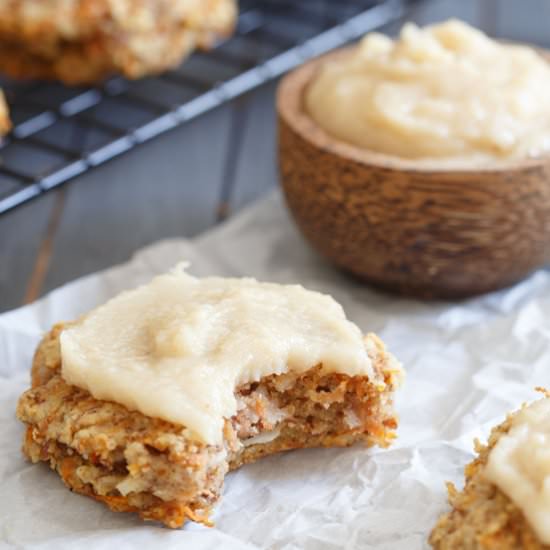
column 519, row 464
column 443, row 92
column 178, row 347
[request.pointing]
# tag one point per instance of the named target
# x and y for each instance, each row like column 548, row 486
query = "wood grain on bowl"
column 406, row 226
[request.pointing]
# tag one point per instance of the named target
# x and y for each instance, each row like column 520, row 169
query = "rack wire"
column 61, row 132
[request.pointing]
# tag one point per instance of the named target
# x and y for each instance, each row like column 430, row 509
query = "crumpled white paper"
column 468, row 364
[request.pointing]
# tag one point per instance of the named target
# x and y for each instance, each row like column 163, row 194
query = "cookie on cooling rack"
column 84, row 41
column 5, row 124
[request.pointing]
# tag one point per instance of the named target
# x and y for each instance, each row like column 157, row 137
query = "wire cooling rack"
column 60, row 132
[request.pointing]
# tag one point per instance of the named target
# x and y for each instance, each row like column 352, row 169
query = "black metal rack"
column 60, row 132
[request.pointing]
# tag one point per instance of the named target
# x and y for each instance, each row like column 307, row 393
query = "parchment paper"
column 468, row 364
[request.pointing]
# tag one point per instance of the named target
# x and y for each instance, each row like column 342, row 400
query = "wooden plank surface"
column 256, row 167
column 21, row 235
column 524, row 21
column 167, row 188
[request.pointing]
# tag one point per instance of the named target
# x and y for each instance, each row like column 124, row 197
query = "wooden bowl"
column 404, row 225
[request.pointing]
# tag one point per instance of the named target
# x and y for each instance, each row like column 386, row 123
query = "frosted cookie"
column 84, row 41
column 505, row 503
column 146, row 402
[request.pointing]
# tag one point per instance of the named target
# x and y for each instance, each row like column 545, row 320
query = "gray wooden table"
column 183, row 182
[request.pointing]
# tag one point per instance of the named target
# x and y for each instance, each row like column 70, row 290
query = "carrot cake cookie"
column 84, row 41
column 5, row 124
column 505, row 504
column 146, row 402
